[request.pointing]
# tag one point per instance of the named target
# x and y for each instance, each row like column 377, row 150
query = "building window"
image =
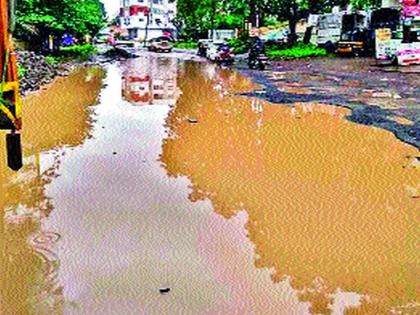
column 132, row 33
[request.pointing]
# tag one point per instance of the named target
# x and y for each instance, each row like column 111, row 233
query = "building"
column 147, row 19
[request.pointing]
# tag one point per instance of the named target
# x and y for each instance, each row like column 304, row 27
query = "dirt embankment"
column 36, row 71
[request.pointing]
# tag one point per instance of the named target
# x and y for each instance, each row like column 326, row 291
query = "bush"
column 238, row 45
column 53, row 61
column 186, row 45
column 241, row 44
column 298, row 51
column 21, row 70
column 78, row 51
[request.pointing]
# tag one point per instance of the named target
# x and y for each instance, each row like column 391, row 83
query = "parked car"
column 160, row 44
column 220, row 53
column 126, row 43
column 213, row 50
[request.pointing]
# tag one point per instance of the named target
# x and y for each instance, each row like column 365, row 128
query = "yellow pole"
column 8, row 61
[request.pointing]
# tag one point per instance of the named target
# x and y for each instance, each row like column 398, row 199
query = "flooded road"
column 237, row 205
column 383, row 97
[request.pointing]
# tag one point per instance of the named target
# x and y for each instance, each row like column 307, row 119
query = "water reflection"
column 28, row 257
column 151, row 81
column 94, row 225
column 328, row 201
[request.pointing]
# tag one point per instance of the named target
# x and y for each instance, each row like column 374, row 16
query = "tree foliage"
column 195, row 17
column 37, row 19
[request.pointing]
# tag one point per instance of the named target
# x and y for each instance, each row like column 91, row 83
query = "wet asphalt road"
column 376, row 95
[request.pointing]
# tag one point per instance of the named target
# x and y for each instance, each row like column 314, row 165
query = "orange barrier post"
column 10, row 104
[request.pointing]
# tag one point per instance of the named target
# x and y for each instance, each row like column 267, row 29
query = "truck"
column 327, row 29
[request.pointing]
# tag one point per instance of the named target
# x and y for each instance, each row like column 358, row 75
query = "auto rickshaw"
column 354, row 35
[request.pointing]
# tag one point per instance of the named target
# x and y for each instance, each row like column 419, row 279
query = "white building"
column 147, row 19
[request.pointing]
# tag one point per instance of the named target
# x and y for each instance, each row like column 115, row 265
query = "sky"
column 112, row 7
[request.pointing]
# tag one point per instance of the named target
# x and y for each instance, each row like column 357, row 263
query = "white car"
column 212, row 50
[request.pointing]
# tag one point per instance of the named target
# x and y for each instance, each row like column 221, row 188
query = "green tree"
column 196, row 17
column 363, row 4
column 37, row 19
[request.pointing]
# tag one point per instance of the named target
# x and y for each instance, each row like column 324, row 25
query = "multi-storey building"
column 147, row 19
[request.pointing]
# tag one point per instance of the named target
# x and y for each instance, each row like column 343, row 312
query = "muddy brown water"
column 238, row 205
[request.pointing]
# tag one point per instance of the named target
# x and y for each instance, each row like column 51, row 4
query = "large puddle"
column 239, row 206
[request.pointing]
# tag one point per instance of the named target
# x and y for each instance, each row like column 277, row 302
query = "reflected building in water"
column 151, row 81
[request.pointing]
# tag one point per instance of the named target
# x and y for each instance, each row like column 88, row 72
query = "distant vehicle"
column 208, row 47
column 224, row 55
column 203, row 45
column 160, row 44
column 328, row 30
column 212, row 50
column 126, row 43
column 257, row 58
column 396, row 37
column 258, row 62
column 354, row 39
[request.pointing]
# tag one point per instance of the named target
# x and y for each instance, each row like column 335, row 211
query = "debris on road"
column 164, row 290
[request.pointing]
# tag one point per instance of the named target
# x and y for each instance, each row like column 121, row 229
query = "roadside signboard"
column 409, row 54
column 383, row 43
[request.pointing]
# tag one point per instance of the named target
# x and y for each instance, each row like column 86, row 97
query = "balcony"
column 139, row 10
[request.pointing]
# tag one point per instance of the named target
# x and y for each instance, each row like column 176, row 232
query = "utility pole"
column 149, row 13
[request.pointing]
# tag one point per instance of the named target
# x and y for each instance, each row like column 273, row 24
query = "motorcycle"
column 259, row 61
column 257, row 58
column 224, row 55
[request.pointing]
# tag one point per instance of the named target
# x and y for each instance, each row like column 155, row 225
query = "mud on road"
column 385, row 97
column 157, row 174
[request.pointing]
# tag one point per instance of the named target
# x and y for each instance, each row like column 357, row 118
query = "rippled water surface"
column 239, row 206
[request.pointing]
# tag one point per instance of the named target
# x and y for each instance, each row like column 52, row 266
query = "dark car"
column 160, row 44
